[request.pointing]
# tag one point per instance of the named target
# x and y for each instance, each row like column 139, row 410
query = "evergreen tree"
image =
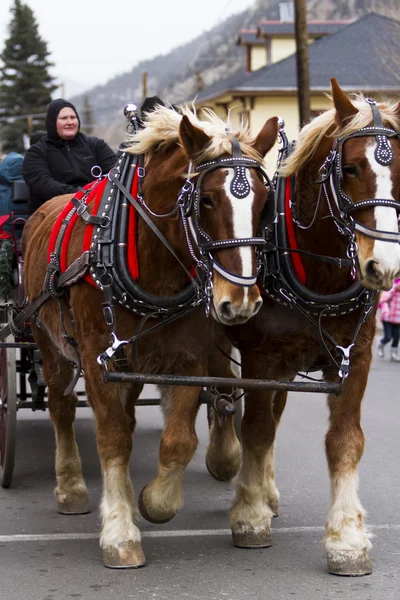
column 25, row 83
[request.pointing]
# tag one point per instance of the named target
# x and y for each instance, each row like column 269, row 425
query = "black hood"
column 52, row 113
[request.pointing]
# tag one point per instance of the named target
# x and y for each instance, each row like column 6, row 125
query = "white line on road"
column 51, row 537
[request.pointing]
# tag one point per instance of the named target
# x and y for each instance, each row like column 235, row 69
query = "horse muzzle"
column 375, row 276
column 235, row 310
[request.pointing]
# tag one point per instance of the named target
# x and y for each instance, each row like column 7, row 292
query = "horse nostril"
column 257, row 306
column 225, row 310
column 372, row 270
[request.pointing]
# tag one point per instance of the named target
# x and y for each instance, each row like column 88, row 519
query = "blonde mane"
column 161, row 130
column 313, row 133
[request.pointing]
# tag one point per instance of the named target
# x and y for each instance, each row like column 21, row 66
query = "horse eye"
column 350, row 170
column 207, row 202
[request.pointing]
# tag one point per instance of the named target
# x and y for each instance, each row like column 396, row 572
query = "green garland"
column 6, row 261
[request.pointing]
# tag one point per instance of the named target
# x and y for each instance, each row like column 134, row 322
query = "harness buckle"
column 106, row 222
column 326, row 168
column 187, row 188
column 105, row 356
column 114, row 173
column 116, row 343
column 81, row 209
column 108, row 315
column 345, row 364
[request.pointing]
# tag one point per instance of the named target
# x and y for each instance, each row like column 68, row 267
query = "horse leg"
column 223, row 452
column 120, row 539
column 129, row 395
column 162, row 498
column 250, row 515
column 346, row 540
column 278, row 407
column 71, row 492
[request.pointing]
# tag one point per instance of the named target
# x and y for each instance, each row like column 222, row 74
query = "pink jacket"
column 389, row 304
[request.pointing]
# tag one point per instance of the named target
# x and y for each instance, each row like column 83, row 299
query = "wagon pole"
column 252, row 384
column 303, row 75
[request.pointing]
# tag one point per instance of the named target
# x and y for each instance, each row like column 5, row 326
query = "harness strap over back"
column 72, row 275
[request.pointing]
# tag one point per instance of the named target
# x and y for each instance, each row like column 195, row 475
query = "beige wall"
column 282, row 47
column 285, row 107
column 258, row 57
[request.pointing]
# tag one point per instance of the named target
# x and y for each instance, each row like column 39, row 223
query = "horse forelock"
column 221, row 134
column 161, row 130
column 325, row 125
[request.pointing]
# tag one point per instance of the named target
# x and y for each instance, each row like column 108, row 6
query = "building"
column 363, row 55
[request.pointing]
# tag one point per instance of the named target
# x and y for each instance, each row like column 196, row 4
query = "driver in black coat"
column 61, row 162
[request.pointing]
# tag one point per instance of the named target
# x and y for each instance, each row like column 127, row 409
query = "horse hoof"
column 145, row 514
column 225, row 471
column 73, row 505
column 252, row 539
column 125, row 555
column 350, row 563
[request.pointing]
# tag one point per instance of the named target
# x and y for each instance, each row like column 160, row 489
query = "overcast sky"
column 91, row 42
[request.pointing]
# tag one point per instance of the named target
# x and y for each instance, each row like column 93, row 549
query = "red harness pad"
column 95, row 196
column 296, row 258
column 56, row 229
column 3, row 234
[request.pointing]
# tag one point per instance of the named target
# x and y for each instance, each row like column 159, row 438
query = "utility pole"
column 144, row 85
column 303, row 75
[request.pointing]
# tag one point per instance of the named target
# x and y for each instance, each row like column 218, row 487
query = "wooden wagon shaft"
column 254, row 384
column 23, row 345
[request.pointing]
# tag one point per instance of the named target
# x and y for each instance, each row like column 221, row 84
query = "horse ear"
column 267, row 136
column 192, row 138
column 344, row 108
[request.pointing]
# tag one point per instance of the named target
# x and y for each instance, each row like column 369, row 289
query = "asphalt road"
column 47, row 556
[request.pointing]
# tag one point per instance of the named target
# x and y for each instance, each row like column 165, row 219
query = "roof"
column 267, row 28
column 249, row 36
column 315, row 28
column 363, row 56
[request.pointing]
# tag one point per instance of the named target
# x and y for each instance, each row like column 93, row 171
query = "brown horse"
column 317, row 315
column 214, row 227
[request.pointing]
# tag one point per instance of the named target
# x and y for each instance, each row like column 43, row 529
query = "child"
column 389, row 304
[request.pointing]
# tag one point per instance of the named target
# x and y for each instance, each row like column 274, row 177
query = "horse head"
column 347, row 170
column 368, row 177
column 231, row 192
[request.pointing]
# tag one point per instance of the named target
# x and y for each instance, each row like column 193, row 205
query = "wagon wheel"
column 8, row 412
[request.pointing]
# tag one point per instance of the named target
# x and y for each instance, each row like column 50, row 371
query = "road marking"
column 51, row 537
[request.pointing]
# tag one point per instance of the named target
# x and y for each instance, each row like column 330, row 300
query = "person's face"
column 67, row 123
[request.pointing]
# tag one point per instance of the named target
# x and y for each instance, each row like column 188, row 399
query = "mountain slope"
column 184, row 71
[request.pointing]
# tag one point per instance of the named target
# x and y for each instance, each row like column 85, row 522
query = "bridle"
column 189, row 202
column 201, row 246
column 331, row 175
